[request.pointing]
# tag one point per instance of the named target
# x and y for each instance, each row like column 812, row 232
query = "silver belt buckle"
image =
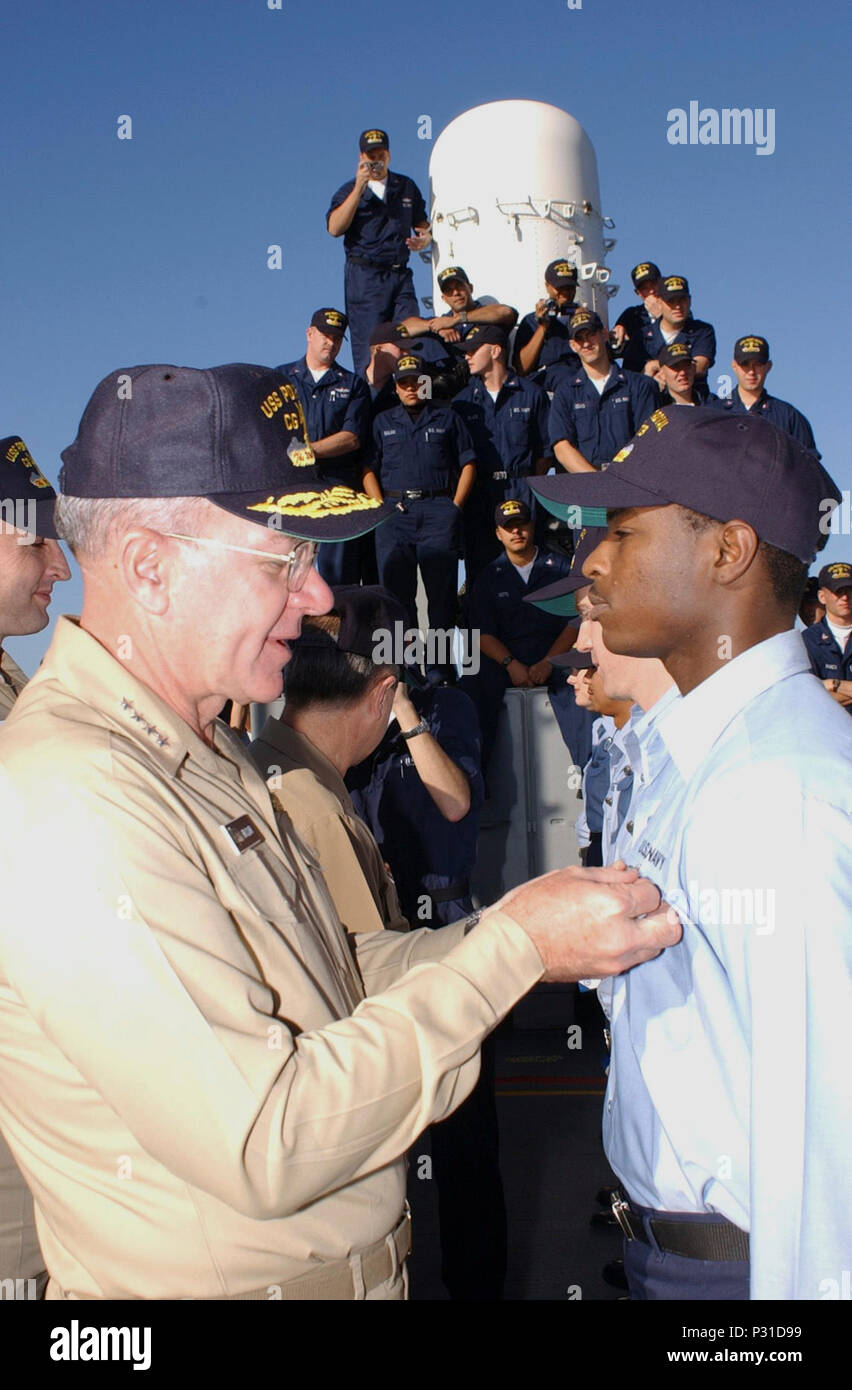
column 621, row 1212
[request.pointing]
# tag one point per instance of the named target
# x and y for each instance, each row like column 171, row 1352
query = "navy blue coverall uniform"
column 636, row 322
column 339, row 400
column 421, row 453
column 496, row 608
column 509, row 436
column 555, row 350
column 700, row 338
column 600, row 425
column 777, row 412
column 827, row 660
column 377, row 282
column 431, row 860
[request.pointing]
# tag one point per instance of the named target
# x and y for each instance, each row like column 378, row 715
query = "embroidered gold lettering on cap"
column 642, row 269
column 563, row 268
column 242, row 833
column 752, row 345
column 374, row 135
column 19, row 453
column 405, row 362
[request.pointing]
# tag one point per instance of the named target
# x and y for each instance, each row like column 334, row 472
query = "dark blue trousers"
column 375, row 296
column 652, row 1274
column 348, row 562
column 428, row 535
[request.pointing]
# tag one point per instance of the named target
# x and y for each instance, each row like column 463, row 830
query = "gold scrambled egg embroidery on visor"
column 334, row 501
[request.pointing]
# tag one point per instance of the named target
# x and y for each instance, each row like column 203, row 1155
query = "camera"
column 551, row 309
column 376, row 167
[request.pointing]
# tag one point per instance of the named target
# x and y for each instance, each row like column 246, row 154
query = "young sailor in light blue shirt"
column 728, row 1114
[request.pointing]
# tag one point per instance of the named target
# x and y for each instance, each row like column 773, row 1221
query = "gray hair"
column 92, row 525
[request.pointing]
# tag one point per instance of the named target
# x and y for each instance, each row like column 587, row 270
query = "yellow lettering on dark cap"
column 752, row 344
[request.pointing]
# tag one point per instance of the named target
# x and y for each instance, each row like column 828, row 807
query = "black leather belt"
column 417, row 494
column 377, row 265
column 694, row 1240
column 460, row 889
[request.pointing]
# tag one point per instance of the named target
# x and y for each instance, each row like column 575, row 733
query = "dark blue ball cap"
column 28, row 497
column 234, row 434
column 369, row 615
column 331, row 322
column 729, row 467
column 576, row 661
column 558, row 597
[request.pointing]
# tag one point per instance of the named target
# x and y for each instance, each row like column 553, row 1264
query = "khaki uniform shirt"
column 313, row 795
column 12, row 682
column 202, row 1099
column 20, row 1256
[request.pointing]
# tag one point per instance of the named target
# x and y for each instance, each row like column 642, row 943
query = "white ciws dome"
column 513, row 186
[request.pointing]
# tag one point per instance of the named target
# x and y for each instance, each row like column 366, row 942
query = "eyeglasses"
column 299, row 560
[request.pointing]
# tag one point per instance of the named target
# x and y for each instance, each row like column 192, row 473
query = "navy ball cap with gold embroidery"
column 24, row 485
column 728, row 467
column 234, row 434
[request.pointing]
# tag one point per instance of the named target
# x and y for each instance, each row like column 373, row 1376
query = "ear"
column 737, row 544
column 145, row 562
column 382, row 694
column 769, row 366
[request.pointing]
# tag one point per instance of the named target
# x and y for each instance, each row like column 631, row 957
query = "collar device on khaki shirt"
column 243, row 833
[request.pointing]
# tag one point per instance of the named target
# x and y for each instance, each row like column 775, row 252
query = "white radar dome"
column 513, row 186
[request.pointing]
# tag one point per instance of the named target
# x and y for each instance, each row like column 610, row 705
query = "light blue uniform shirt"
column 644, row 756
column 729, row 1084
column 595, row 779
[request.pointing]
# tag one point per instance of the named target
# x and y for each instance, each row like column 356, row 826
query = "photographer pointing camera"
column 543, row 337
column 381, row 217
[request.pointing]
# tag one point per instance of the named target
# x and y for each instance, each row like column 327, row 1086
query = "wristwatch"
column 835, row 686
column 507, row 660
column 421, row 728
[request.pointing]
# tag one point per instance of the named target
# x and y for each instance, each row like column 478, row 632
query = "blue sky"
column 245, row 119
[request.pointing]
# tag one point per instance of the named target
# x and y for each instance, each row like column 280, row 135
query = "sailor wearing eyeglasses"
column 208, row 1090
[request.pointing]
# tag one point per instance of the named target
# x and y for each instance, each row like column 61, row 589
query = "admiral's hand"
column 590, row 923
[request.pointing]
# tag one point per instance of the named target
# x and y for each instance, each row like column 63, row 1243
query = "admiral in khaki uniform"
column 31, row 561
column 199, row 1086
